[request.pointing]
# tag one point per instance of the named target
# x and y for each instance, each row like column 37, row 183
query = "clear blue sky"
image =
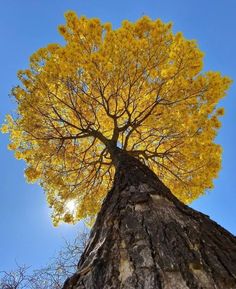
column 27, row 234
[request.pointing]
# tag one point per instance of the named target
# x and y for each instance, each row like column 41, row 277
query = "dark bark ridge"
column 145, row 238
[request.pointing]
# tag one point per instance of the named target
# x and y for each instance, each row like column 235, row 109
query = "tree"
column 131, row 104
column 51, row 276
column 138, row 88
column 16, row 279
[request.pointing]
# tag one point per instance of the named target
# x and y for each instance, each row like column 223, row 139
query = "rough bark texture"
column 144, row 238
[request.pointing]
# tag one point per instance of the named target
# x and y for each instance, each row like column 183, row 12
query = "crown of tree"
column 140, row 88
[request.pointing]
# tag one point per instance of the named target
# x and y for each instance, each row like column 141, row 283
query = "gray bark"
column 145, row 238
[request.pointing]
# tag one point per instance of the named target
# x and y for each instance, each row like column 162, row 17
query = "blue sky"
column 27, row 234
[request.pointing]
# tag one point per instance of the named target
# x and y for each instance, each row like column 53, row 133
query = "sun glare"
column 70, row 206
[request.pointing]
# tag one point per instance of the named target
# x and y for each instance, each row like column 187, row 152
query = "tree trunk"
column 145, row 238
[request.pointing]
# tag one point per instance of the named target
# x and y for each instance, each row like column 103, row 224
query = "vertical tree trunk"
column 144, row 238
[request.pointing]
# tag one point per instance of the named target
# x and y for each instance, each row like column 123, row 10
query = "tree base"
column 144, row 238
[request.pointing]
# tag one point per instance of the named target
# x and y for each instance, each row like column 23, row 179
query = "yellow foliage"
column 32, row 174
column 4, row 128
column 139, row 86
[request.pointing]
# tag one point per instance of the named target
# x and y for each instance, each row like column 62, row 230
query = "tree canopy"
column 140, row 87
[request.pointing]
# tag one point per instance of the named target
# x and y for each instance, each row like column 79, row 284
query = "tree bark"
column 145, row 238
